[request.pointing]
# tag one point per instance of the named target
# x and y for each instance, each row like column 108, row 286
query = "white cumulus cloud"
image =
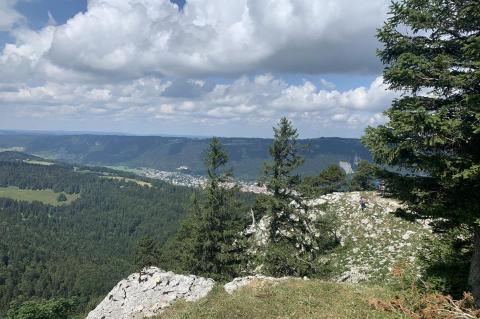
column 146, row 61
column 8, row 15
column 143, row 37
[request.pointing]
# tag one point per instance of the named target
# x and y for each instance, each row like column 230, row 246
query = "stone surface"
column 375, row 241
column 148, row 293
column 353, row 275
column 244, row 281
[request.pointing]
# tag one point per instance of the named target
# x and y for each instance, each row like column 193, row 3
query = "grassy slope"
column 290, row 299
column 46, row 196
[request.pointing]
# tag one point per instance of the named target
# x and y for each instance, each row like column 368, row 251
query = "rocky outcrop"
column 244, row 281
column 148, row 293
column 375, row 241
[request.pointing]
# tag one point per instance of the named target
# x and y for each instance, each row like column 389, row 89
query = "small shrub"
column 61, row 197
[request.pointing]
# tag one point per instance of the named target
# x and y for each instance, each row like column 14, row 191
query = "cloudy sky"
column 200, row 67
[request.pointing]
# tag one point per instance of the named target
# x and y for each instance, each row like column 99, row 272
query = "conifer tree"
column 432, row 56
column 291, row 250
column 212, row 231
column 332, row 179
column 146, row 253
column 279, row 174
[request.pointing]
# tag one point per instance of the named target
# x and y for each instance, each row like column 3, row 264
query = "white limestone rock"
column 244, row 281
column 148, row 293
column 354, row 275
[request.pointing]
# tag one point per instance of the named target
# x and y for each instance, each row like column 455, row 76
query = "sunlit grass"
column 289, row 299
column 46, row 196
column 125, row 179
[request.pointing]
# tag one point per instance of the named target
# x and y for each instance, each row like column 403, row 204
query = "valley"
column 178, row 154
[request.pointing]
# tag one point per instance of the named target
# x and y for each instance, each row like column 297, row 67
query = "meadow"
column 45, row 196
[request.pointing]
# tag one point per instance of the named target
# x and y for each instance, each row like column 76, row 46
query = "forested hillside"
column 80, row 248
column 168, row 153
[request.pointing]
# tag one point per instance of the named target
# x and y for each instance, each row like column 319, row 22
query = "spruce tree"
column 212, row 231
column 432, row 137
column 292, row 249
column 279, row 174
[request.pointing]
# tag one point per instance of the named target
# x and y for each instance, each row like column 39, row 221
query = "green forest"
column 82, row 248
column 72, row 232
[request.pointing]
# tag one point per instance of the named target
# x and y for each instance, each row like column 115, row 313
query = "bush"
column 281, row 259
column 42, row 309
column 61, row 197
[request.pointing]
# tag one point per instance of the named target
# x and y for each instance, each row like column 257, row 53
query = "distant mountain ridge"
column 169, row 153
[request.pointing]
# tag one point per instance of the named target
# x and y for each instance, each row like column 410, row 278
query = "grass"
column 288, row 299
column 46, row 196
column 125, row 179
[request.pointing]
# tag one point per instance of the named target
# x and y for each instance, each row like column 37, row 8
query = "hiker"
column 363, row 203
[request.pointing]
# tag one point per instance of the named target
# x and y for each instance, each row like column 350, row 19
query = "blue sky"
column 211, row 68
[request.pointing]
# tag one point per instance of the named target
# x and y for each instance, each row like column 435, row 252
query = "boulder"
column 148, row 293
column 353, row 276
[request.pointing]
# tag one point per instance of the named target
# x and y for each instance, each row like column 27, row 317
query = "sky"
column 194, row 67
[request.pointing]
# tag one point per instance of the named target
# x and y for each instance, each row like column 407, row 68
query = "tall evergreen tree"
column 432, row 55
column 280, row 176
column 212, row 230
column 292, row 248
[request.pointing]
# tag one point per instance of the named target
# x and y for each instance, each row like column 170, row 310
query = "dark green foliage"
column 11, row 156
column 146, row 253
column 280, row 176
column 281, row 259
column 43, row 309
column 433, row 140
column 332, row 179
column 82, row 249
column 447, row 260
column 292, row 249
column 209, row 238
column 61, row 197
column 364, row 177
column 246, row 155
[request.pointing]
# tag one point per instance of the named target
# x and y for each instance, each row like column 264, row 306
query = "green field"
column 126, row 179
column 46, row 196
column 290, row 299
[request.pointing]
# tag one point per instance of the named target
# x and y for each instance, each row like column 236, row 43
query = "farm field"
column 46, row 196
column 126, row 179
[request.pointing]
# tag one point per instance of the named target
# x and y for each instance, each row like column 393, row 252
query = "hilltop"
column 376, row 248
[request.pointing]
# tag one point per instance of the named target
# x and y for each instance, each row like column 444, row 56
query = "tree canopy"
column 431, row 142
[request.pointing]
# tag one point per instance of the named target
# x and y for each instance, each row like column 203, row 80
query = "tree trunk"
column 474, row 276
